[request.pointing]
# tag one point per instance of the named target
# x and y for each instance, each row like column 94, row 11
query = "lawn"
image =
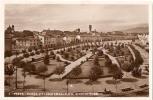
column 118, row 51
column 86, row 68
column 72, row 54
column 52, row 66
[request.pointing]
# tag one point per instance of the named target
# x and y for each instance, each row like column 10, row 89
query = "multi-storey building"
column 46, row 40
column 26, row 42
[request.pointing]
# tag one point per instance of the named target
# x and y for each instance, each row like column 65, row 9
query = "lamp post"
column 67, row 83
column 16, row 69
column 16, row 78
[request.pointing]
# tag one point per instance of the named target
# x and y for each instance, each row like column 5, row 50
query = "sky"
column 103, row 18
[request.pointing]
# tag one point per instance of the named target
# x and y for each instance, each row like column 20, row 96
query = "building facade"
column 26, row 43
column 8, row 38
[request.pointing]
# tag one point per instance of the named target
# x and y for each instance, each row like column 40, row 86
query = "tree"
column 30, row 68
column 27, row 33
column 113, row 68
column 95, row 72
column 16, row 53
column 108, row 61
column 66, row 55
column 23, row 51
column 30, row 50
column 9, row 70
column 54, row 56
column 16, row 62
column 139, row 59
column 76, row 71
column 117, row 75
column 21, row 64
column 127, row 66
column 58, row 59
column 8, row 53
column 136, row 72
column 42, row 51
column 26, row 55
column 24, row 73
column 35, row 49
column 96, row 61
column 46, row 60
column 59, row 70
column 72, row 58
column 32, row 54
column 42, row 69
column 100, row 53
column 62, row 52
column 37, row 52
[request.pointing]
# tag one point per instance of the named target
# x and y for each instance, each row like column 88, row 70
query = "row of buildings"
column 48, row 39
column 144, row 38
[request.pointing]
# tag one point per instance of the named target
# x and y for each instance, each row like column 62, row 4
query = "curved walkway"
column 133, row 55
column 71, row 66
column 113, row 59
column 143, row 53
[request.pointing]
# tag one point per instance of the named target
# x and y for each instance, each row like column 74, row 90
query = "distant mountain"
column 143, row 28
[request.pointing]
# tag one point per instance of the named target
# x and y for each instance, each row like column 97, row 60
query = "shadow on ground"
column 112, row 82
column 129, row 80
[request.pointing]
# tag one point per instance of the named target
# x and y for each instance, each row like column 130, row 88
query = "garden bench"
column 127, row 89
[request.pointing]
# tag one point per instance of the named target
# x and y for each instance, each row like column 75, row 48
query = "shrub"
column 16, row 61
column 54, row 56
column 23, row 51
column 29, row 68
column 32, row 54
column 82, row 62
column 95, row 72
column 127, row 66
column 52, row 53
column 59, row 70
column 26, row 55
column 66, row 63
column 33, row 59
column 21, row 64
column 62, row 52
column 76, row 71
column 8, row 53
column 42, row 68
column 37, row 52
column 136, row 72
column 35, row 49
column 42, row 51
column 58, row 59
column 118, row 75
column 30, row 50
column 139, row 59
column 66, row 55
column 72, row 58
column 46, row 60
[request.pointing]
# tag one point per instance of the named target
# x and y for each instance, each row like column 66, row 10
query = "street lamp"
column 67, row 84
column 16, row 69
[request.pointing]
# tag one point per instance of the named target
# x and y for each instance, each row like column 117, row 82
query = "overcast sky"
column 70, row 17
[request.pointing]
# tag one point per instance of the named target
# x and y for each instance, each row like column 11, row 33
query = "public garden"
column 108, row 68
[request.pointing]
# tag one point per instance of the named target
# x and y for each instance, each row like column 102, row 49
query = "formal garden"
column 72, row 54
column 35, row 68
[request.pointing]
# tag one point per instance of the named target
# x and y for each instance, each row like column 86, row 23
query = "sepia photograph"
column 76, row 50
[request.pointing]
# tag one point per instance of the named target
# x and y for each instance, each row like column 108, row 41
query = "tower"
column 13, row 28
column 90, row 28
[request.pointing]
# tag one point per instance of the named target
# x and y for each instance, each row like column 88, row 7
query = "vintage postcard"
column 76, row 50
